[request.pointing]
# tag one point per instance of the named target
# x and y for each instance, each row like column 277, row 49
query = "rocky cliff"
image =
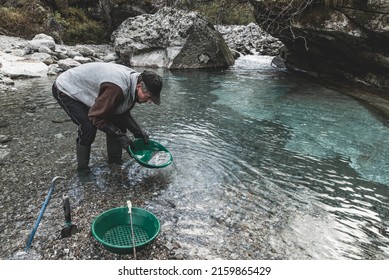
column 349, row 39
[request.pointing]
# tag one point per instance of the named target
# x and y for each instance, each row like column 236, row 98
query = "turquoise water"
column 267, row 165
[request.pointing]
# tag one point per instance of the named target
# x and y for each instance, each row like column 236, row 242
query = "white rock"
column 85, row 51
column 17, row 67
column 110, row 57
column 43, row 36
column 82, row 59
column 18, row 52
column 68, row 63
column 44, row 57
column 36, row 44
column 73, row 54
column 54, row 69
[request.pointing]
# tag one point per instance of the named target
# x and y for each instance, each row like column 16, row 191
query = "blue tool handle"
column 43, row 208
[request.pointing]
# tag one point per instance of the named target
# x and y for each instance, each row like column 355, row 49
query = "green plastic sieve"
column 149, row 154
column 113, row 229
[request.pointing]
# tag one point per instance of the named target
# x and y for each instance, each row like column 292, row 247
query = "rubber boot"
column 83, row 156
column 114, row 150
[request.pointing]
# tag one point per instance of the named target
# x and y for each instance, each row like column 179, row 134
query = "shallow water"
column 159, row 158
column 266, row 166
column 271, row 166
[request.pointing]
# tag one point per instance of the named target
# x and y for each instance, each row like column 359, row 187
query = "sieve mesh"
column 121, row 235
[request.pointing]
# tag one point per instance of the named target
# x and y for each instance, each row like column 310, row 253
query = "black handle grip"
column 66, row 208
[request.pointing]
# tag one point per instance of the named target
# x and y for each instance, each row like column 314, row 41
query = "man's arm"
column 110, row 97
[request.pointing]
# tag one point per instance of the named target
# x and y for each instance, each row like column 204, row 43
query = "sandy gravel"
column 40, row 142
column 37, row 144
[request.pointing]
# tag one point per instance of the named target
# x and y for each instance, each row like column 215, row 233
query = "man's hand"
column 142, row 135
column 135, row 129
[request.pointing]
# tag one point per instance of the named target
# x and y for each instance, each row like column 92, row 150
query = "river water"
column 271, row 166
column 266, row 165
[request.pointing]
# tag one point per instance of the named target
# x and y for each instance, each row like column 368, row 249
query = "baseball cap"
column 154, row 84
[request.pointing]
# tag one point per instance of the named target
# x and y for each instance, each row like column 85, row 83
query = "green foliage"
column 10, row 18
column 80, row 29
column 226, row 12
column 23, row 22
column 87, row 33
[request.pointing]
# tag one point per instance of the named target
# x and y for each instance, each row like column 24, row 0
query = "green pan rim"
column 161, row 148
column 125, row 247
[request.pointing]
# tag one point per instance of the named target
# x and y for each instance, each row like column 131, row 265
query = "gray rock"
column 44, row 49
column 5, row 138
column 18, row 67
column 73, row 53
column 68, row 63
column 43, row 36
column 85, row 51
column 61, row 55
column 249, row 39
column 41, row 40
column 4, row 154
column 18, row 52
column 44, row 57
column 110, row 57
column 349, row 41
column 54, row 69
column 6, row 81
column 172, row 39
column 82, row 59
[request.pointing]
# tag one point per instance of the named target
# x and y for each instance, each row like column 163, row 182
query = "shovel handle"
column 66, row 208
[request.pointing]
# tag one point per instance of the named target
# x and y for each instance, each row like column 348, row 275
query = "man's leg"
column 114, row 148
column 78, row 113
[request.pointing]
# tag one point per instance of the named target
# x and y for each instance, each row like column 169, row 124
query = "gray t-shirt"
column 83, row 82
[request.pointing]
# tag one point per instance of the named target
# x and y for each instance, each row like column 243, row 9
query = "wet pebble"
column 5, row 139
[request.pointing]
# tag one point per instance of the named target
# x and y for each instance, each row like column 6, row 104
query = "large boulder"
column 349, row 41
column 171, row 39
column 20, row 67
column 42, row 41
